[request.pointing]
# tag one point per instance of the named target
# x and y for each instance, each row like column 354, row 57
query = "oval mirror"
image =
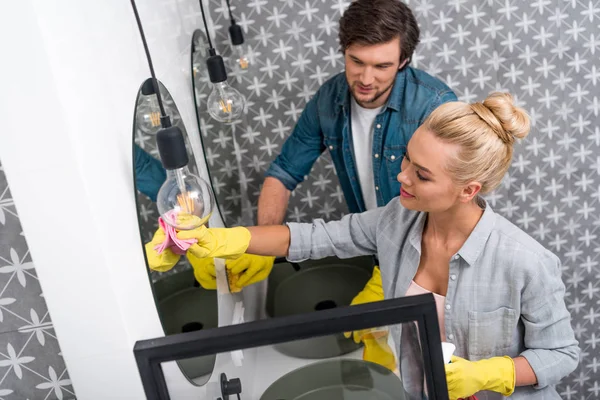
column 182, row 304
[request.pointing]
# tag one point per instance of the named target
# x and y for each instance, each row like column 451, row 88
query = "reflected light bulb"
column 185, row 201
column 225, row 104
column 239, row 60
column 148, row 115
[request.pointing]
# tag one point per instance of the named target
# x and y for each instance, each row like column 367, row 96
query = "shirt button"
column 455, row 257
column 376, row 187
column 448, row 306
column 378, row 126
column 453, row 277
column 376, row 155
column 450, row 337
column 330, row 147
column 393, row 157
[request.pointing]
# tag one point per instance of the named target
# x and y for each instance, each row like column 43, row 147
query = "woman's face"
column 425, row 183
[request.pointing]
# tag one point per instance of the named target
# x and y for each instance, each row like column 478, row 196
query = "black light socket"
column 236, row 34
column 171, row 148
column 148, row 87
column 216, row 67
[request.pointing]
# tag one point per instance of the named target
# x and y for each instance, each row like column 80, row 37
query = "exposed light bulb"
column 239, row 61
column 148, row 115
column 184, row 201
column 225, row 104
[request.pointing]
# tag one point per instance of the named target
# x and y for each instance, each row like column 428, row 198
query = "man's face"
column 371, row 71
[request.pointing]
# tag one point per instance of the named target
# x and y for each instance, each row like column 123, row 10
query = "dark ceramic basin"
column 344, row 379
column 316, row 285
column 184, row 306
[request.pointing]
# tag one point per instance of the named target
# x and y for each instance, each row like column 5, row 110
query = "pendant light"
column 225, row 104
column 239, row 60
column 184, row 201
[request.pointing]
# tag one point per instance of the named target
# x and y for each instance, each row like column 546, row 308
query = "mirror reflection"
column 237, row 156
column 182, row 304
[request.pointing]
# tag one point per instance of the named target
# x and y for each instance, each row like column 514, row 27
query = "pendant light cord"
column 164, row 118
column 210, row 46
column 230, row 14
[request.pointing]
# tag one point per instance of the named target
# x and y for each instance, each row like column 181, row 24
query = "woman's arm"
column 352, row 236
column 551, row 350
column 271, row 240
column 524, row 375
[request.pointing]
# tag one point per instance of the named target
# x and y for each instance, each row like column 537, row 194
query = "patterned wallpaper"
column 545, row 52
column 31, row 365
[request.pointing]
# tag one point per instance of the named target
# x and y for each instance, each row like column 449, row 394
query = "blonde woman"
column 499, row 292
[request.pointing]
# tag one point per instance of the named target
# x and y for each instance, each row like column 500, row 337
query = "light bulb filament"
column 225, row 106
column 243, row 63
column 154, row 118
column 185, row 202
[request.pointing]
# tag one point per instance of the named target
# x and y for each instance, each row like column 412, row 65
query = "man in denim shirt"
column 378, row 38
column 364, row 116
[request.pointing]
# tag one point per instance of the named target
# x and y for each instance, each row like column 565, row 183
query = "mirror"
column 238, row 154
column 182, row 304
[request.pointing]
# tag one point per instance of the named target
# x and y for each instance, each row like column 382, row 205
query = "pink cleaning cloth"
column 177, row 246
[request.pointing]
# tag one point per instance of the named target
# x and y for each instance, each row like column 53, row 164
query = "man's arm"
column 272, row 202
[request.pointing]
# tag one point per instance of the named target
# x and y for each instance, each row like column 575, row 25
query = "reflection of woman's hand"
column 378, row 350
column 204, row 271
column 373, row 291
column 249, row 269
column 217, row 242
column 160, row 262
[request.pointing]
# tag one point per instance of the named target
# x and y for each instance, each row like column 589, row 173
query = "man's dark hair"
column 369, row 22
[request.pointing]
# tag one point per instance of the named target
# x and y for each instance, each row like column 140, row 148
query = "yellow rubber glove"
column 465, row 378
column 378, row 350
column 217, row 242
column 204, row 271
column 250, row 268
column 375, row 341
column 160, row 262
column 373, row 291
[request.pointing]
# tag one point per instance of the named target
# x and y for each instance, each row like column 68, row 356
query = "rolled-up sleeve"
column 552, row 350
column 301, row 149
column 352, row 236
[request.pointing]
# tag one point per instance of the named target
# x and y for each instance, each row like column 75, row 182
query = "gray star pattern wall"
column 31, row 365
column 545, row 52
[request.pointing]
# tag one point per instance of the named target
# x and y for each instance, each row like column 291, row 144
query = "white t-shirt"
column 363, row 120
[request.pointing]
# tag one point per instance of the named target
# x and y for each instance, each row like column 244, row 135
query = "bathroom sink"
column 312, row 286
column 344, row 379
column 184, row 306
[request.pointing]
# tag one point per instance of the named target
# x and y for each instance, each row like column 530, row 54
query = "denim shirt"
column 149, row 173
column 505, row 293
column 325, row 124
